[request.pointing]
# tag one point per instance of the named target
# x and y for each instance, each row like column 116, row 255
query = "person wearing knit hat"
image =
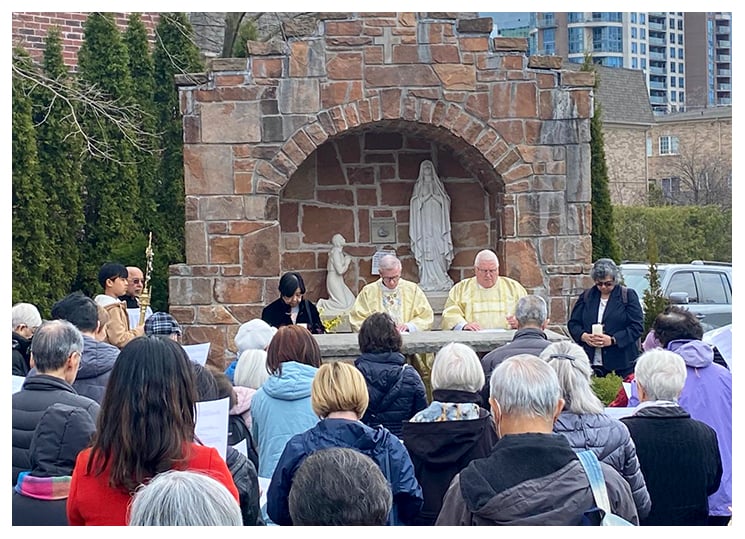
column 252, row 335
column 161, row 323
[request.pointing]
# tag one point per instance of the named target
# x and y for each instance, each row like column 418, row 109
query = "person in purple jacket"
column 707, row 394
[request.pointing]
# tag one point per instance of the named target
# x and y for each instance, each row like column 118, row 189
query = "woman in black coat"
column 617, row 315
column 291, row 307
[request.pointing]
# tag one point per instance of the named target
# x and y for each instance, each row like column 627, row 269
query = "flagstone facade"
column 324, row 131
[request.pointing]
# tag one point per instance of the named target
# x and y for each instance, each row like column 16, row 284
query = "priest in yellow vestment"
column 486, row 301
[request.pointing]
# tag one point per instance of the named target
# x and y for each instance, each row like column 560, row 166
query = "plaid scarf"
column 43, row 488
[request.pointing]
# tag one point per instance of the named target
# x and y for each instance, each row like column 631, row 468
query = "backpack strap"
column 597, row 482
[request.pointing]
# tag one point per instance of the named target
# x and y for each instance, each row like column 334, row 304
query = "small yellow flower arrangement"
column 330, row 324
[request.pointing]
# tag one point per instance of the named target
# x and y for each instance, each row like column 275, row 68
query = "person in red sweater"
column 146, row 426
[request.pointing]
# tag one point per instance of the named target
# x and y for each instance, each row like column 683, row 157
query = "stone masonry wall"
column 313, row 134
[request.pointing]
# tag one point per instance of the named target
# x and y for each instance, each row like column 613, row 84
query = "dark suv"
column 703, row 287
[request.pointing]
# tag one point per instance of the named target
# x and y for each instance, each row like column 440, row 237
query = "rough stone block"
column 307, row 58
column 220, row 208
column 208, row 169
column 321, row 223
column 300, row 27
column 482, row 25
column 190, row 290
column 456, row 77
column 578, row 172
column 238, row 290
column 298, row 96
column 522, row 262
column 397, row 76
column 214, row 315
column 271, row 129
column 344, row 66
column 577, row 78
column 231, row 122
column 260, row 253
column 545, row 62
column 267, row 48
column 505, row 44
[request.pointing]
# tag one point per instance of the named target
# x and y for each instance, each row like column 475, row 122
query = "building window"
column 680, row 53
column 644, row 63
column 670, row 187
column 672, row 67
column 549, row 40
column 642, row 18
column 668, row 145
column 672, row 22
column 672, row 52
column 576, row 40
column 576, row 16
column 680, row 39
column 633, row 47
column 633, row 18
column 634, row 63
column 633, row 32
column 642, row 33
column 680, row 82
column 680, row 67
column 680, row 26
column 649, row 146
column 672, row 96
column 672, row 37
column 643, row 48
column 672, row 82
column 682, row 97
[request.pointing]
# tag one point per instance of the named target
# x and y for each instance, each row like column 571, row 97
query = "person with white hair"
column 25, row 318
column 404, row 301
column 485, row 301
column 585, row 424
column 252, row 335
column 679, row 456
column 184, row 498
column 532, row 476
column 454, row 430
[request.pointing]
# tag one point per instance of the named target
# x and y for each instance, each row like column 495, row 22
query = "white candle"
column 597, row 329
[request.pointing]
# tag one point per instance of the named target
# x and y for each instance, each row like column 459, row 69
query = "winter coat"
column 525, row 341
column 396, row 390
column 247, row 482
column 37, row 394
column 96, row 363
column 622, row 321
column 93, row 502
column 21, row 355
column 277, row 314
column 530, row 480
column 680, row 461
column 707, row 396
column 279, row 410
column 40, row 496
column 441, row 449
column 377, row 443
column 611, row 442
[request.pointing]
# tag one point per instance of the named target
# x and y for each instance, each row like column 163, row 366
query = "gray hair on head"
column 661, row 373
column 531, row 310
column 457, row 367
column 184, row 498
column 25, row 314
column 602, row 268
column 388, row 262
column 53, row 343
column 484, row 255
column 250, row 371
column 573, row 370
column 524, row 385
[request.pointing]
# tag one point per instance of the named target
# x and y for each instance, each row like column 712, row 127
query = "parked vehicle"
column 703, row 287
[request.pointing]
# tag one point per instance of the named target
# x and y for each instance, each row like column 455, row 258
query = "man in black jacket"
column 55, row 353
column 25, row 318
column 531, row 314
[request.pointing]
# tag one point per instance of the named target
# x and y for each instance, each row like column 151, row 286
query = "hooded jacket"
column 378, row 444
column 611, row 442
column 281, row 408
column 396, row 390
column 441, row 449
column 21, row 355
column 40, row 496
column 707, row 396
column 96, row 363
column 530, row 480
column 39, row 393
column 680, row 462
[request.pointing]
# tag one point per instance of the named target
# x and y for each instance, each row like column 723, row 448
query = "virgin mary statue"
column 429, row 230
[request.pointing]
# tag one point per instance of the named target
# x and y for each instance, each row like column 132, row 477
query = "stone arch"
column 505, row 159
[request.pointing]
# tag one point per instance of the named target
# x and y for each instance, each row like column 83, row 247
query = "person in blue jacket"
column 339, row 397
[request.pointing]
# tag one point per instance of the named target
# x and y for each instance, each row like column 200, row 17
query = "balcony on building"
column 658, row 99
column 726, row 58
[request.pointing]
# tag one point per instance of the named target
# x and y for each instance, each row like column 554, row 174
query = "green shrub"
column 682, row 233
column 606, row 388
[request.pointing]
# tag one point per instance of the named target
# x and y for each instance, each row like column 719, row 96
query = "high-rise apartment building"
column 658, row 43
column 708, row 59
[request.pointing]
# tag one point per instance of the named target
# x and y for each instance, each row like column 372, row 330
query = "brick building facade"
column 29, row 30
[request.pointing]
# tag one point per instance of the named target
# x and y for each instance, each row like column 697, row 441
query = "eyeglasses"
column 488, row 271
column 606, row 284
column 137, row 281
column 391, row 279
